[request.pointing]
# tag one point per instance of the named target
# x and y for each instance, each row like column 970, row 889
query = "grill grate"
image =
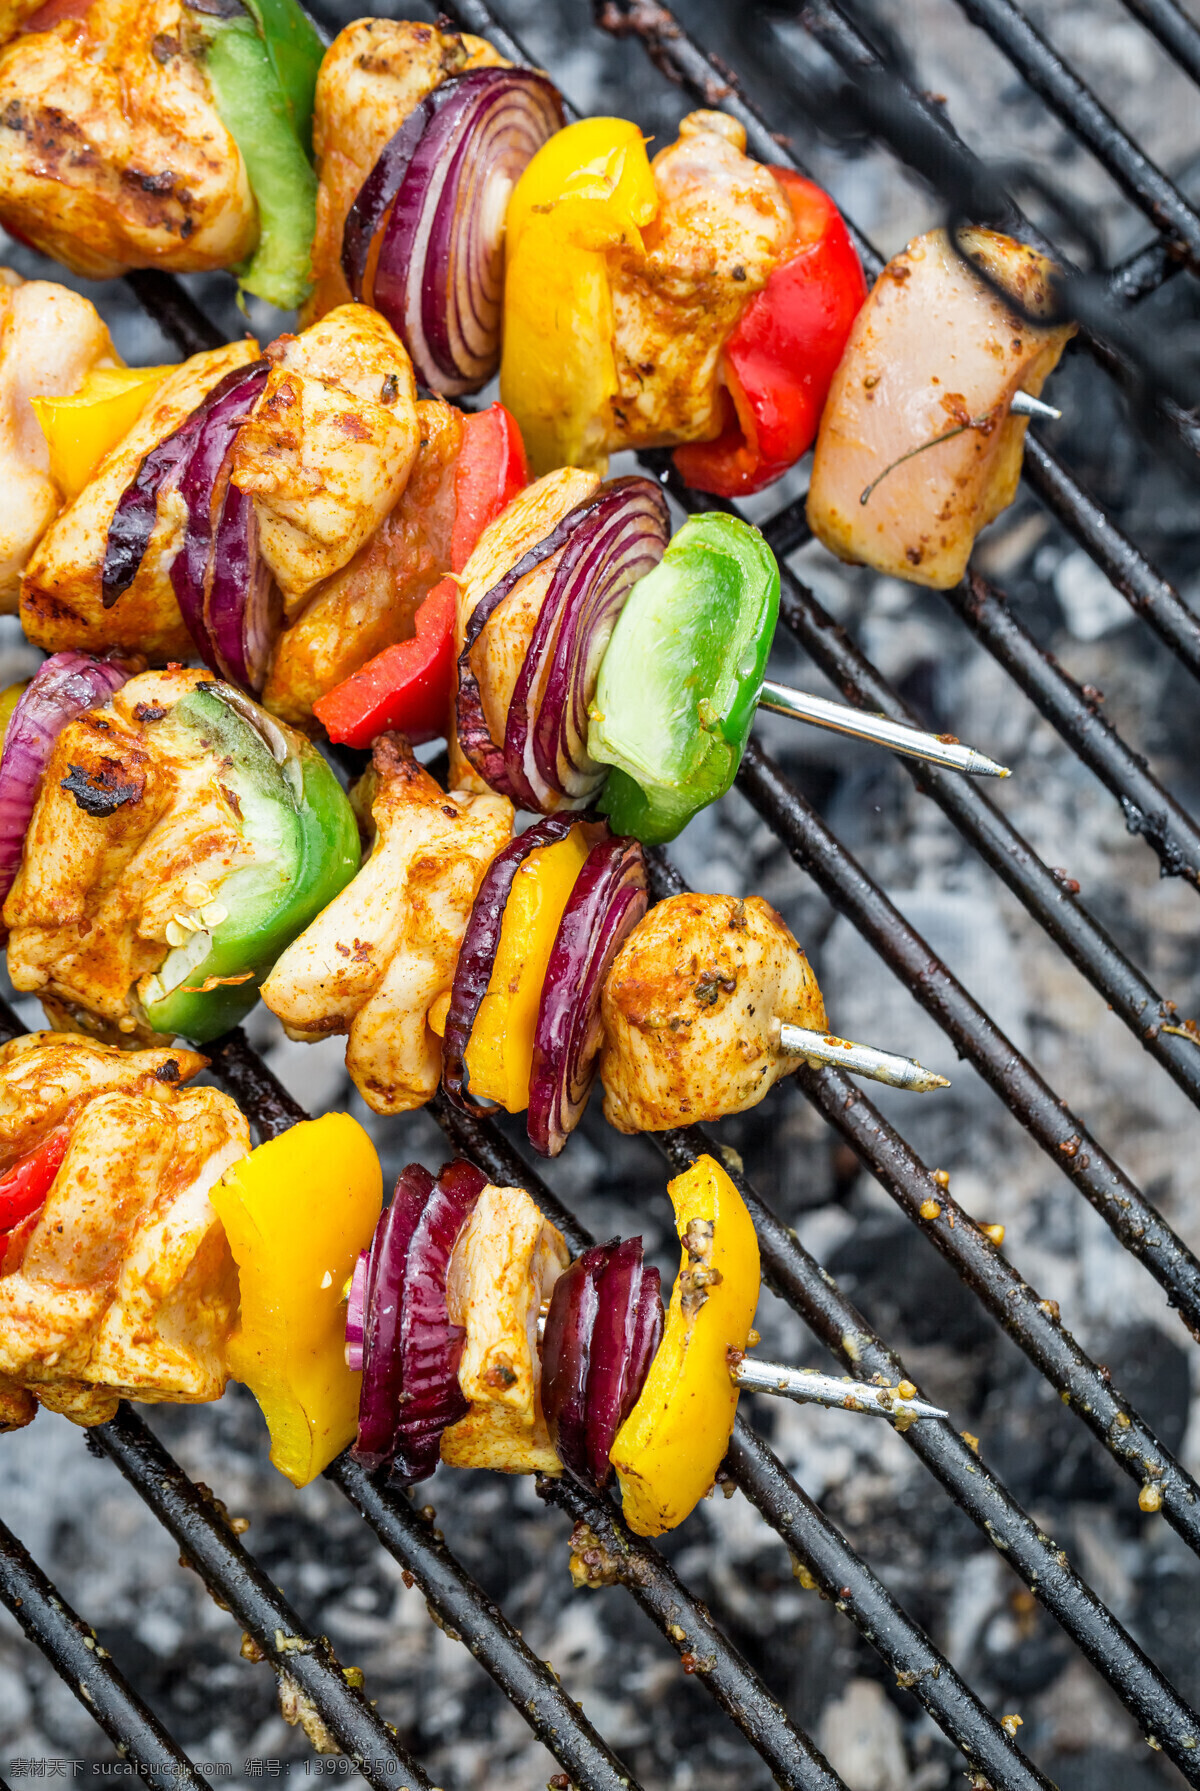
column 196, row 1522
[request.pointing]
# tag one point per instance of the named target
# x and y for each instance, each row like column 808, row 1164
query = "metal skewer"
column 808, row 1387
column 1025, row 405
column 859, row 1060
column 781, row 699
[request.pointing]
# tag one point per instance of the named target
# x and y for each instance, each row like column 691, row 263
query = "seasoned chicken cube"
column 130, row 831
column 723, row 225
column 372, row 602
column 50, row 338
column 499, row 651
column 328, row 448
column 692, row 1009
column 376, row 959
column 61, row 599
column 933, row 362
column 112, row 154
column 373, row 75
column 122, row 1285
column 502, row 1273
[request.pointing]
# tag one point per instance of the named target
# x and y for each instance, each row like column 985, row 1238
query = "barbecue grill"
column 337, row 1711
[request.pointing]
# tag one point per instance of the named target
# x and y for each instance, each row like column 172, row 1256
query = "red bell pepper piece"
column 26, row 1185
column 409, row 686
column 783, row 353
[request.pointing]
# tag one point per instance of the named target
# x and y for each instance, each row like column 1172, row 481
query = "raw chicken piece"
column 90, row 907
column 50, row 338
column 933, row 348
column 112, row 154
column 371, row 603
column 499, row 652
column 373, row 74
column 61, row 602
column 328, row 448
column 692, row 1008
column 374, row 962
column 722, row 227
column 123, row 1284
column 502, row 1273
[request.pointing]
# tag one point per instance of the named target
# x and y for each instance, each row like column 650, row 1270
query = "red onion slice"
column 379, row 1400
column 355, row 1307
column 608, row 543
column 481, row 939
column 430, row 1345
column 435, row 202
column 608, row 900
column 623, row 538
column 64, row 686
column 567, row 1354
column 618, row 1298
column 217, row 576
column 161, row 468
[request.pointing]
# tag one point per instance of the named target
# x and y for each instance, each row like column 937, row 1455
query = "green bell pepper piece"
column 681, row 677
column 262, row 65
column 301, row 828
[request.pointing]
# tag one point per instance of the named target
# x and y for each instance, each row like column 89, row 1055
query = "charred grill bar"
column 459, row 1603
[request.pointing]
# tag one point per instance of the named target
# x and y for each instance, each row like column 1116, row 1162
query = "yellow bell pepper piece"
column 8, row 701
column 297, row 1211
column 81, row 429
column 670, row 1446
column 499, row 1054
column 588, row 190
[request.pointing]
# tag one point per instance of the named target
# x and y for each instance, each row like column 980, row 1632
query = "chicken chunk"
column 131, row 828
column 122, row 1285
column 502, row 1272
column 723, row 224
column 692, row 1009
column 373, row 601
column 933, row 362
column 499, row 652
column 373, row 75
column 50, row 338
column 328, row 448
column 112, row 153
column 378, row 957
column 61, row 600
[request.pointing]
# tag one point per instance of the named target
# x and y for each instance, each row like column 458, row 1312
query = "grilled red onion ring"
column 64, row 686
column 567, row 1355
column 379, row 1399
column 607, row 544
column 608, row 900
column 161, row 469
column 432, row 210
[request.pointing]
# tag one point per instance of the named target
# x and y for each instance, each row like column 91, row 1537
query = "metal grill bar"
column 1072, row 101
column 85, row 1666
column 1176, row 33
column 259, row 1607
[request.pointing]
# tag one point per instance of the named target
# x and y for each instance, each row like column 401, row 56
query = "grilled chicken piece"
column 130, row 829
column 692, row 1008
column 123, row 1284
column 722, row 227
column 61, row 602
column 112, row 154
column 933, row 353
column 373, row 75
column 502, row 1273
column 329, row 446
column 372, row 602
column 499, row 652
column 374, row 962
column 50, row 338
